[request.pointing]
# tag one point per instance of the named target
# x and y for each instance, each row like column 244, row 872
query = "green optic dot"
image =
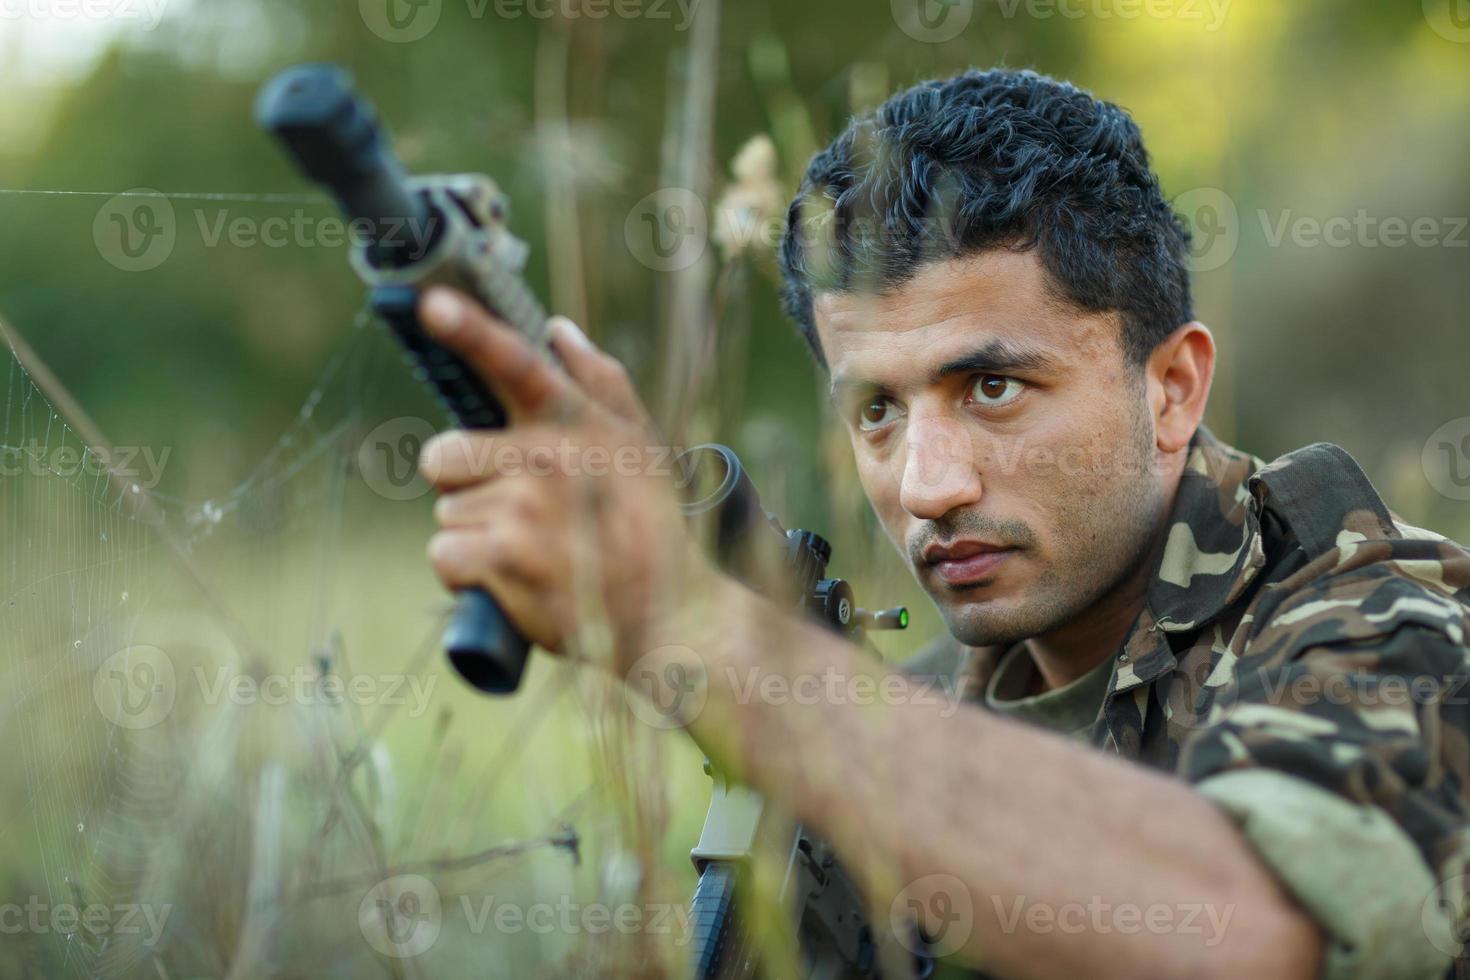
column 903, row 619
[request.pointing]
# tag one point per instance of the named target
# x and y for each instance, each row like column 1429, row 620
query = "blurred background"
column 173, row 289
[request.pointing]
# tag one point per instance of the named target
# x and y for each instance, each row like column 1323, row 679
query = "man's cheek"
column 882, row 490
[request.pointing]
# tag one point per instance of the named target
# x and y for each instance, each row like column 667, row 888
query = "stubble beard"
column 1103, row 543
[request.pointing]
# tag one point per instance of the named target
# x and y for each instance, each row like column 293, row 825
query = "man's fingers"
column 487, row 503
column 457, row 459
column 485, row 558
column 527, row 382
column 600, row 375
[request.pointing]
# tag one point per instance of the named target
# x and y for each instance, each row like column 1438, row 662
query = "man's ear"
column 1178, row 375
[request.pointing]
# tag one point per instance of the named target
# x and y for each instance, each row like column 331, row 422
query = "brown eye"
column 996, row 389
column 875, row 413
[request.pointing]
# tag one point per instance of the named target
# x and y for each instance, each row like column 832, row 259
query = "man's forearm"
column 1056, row 844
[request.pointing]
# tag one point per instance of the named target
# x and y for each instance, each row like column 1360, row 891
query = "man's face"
column 1003, row 437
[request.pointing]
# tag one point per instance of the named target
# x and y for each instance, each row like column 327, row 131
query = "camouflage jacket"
column 1294, row 623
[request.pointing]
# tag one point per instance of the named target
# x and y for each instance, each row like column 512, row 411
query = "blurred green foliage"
column 1310, row 110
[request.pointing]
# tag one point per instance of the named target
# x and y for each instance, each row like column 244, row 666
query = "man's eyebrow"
column 994, row 357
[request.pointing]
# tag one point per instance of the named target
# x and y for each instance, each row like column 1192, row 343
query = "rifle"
column 413, row 232
column 830, row 915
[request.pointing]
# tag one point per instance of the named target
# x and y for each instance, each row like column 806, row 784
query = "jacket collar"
column 1214, row 547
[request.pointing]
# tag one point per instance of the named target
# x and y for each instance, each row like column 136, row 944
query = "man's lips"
column 965, row 562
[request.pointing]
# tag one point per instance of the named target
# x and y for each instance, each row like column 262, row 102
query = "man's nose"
column 939, row 471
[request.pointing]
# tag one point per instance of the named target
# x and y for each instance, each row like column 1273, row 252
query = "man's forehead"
column 949, row 308
column 997, row 279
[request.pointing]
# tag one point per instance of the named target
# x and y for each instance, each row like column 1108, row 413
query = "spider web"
column 233, row 748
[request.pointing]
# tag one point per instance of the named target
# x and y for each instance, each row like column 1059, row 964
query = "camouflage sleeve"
column 1362, row 691
column 1375, row 920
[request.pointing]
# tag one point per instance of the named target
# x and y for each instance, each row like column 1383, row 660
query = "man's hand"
column 568, row 517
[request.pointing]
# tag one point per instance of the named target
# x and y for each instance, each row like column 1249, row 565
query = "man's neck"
column 1064, row 655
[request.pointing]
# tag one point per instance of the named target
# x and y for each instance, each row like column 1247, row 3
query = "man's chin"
column 982, row 618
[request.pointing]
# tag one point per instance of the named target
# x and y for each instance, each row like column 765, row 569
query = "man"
column 1217, row 725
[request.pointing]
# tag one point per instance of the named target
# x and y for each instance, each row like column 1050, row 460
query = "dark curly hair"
column 984, row 160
